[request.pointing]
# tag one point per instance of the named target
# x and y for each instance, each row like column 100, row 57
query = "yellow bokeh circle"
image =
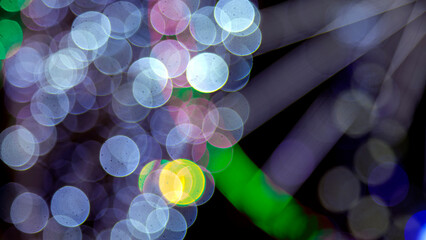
column 182, row 182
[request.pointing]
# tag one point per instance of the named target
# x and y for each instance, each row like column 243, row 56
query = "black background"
column 218, row 219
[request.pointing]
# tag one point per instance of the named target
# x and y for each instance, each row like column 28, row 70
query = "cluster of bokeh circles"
column 373, row 188
column 118, row 107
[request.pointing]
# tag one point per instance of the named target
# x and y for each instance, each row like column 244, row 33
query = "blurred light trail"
column 411, row 36
column 306, row 145
column 354, row 13
column 316, row 133
column 310, row 64
column 410, row 78
column 297, row 22
column 248, row 188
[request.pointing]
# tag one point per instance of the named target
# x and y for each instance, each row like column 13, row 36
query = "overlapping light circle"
column 91, row 30
column 29, row 213
column 170, row 17
column 136, row 77
column 11, row 37
column 18, row 146
column 182, row 182
column 172, row 55
column 207, row 72
column 119, row 156
column 205, row 29
column 148, row 213
column 152, row 87
column 125, row 19
column 70, row 206
column 234, row 15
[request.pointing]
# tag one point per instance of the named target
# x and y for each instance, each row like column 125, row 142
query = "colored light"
column 14, row 5
column 416, row 226
column 247, row 188
column 182, row 182
column 70, row 206
column 119, row 156
column 10, row 37
column 29, row 213
column 207, row 72
column 145, row 172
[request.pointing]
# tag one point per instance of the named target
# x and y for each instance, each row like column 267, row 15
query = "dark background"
column 218, row 219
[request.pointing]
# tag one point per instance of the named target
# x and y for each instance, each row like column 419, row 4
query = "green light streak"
column 251, row 192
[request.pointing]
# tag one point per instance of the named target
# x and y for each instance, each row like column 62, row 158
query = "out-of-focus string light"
column 388, row 184
column 18, row 147
column 139, row 76
column 415, row 226
column 334, row 195
column 54, row 230
column 207, row 72
column 119, row 156
column 173, row 55
column 368, row 220
column 154, row 101
column 204, row 28
column 70, row 206
column 91, row 30
column 29, row 213
column 234, row 15
column 11, row 37
column 14, row 5
column 182, row 182
column 149, row 214
column 125, row 19
column 170, row 17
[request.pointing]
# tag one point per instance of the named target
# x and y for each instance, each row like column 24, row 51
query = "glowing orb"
column 207, row 72
column 182, row 182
